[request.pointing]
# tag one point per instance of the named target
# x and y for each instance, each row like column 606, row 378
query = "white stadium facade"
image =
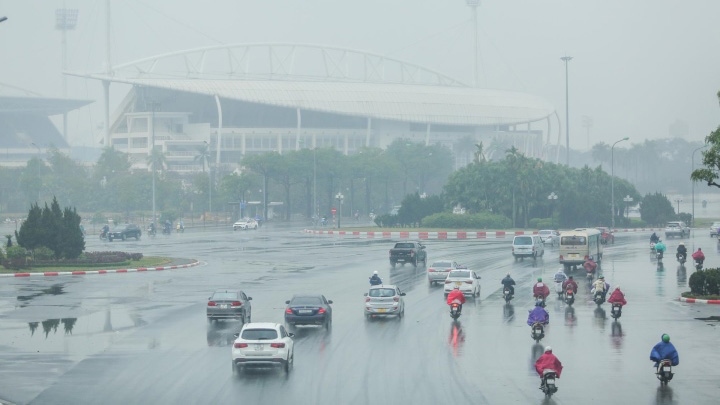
column 253, row 98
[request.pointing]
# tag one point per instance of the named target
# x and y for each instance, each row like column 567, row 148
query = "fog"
column 637, row 67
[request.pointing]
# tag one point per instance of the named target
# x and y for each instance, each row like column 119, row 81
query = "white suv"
column 527, row 246
column 263, row 344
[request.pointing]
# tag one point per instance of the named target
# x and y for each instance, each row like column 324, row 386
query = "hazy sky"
column 639, row 65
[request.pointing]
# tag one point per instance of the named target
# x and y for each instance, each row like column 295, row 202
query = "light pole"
column 65, row 20
column 339, row 197
column 316, row 211
column 678, row 201
column 692, row 169
column 567, row 59
column 612, row 181
column 473, row 4
column 39, row 159
column 552, row 197
column 627, row 200
column 210, row 182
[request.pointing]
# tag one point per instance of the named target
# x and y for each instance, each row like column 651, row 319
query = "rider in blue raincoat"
column 665, row 350
column 539, row 314
column 660, row 246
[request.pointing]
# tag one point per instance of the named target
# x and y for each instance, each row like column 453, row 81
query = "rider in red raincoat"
column 456, row 294
column 540, row 289
column 618, row 297
column 570, row 283
column 548, row 361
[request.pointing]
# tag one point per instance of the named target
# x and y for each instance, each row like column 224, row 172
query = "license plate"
column 458, row 284
column 573, row 255
column 223, row 306
column 382, row 310
column 258, row 346
column 305, row 311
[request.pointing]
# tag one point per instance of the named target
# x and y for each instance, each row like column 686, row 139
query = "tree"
column 711, row 159
column 54, row 229
column 203, row 156
column 656, row 209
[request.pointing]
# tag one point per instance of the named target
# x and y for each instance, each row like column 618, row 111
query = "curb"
column 86, row 273
column 440, row 234
column 698, row 301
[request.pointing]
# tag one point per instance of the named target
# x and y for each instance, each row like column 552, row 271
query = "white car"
column 467, row 280
column 439, row 270
column 245, row 224
column 550, row 237
column 263, row 345
column 384, row 300
column 714, row 229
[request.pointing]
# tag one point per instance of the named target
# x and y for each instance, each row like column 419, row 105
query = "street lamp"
column 692, row 169
column 567, row 59
column 473, row 4
column 339, row 197
column 627, row 200
column 210, row 181
column 612, row 181
column 678, row 201
column 552, row 197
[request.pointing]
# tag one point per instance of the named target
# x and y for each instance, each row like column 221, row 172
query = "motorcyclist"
column 699, row 256
column 681, row 251
column 538, row 315
column 600, row 285
column 660, row 247
column 664, row 350
column 590, row 265
column 375, row 279
column 560, row 276
column 151, row 228
column 508, row 283
column 540, row 289
column 617, row 297
column 168, row 226
column 654, row 238
column 570, row 283
column 547, row 361
column 105, row 230
column 456, row 296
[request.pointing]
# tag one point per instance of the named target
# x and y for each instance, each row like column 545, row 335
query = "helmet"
column 548, row 349
column 570, row 277
column 375, row 272
column 590, row 257
column 682, row 243
column 539, row 278
column 508, row 274
column 538, row 303
column 699, row 249
column 602, row 277
column 666, row 338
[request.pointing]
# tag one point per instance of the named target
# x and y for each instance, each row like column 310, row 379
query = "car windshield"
column 459, row 274
column 306, row 301
column 221, row 296
column 544, row 232
column 523, row 240
column 382, row 292
column 442, row 264
column 259, row 334
column 404, row 246
column 573, row 240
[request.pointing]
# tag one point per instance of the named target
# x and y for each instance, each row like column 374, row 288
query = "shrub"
column 483, row 220
column 43, row 253
column 542, row 223
column 697, row 283
column 16, row 258
column 705, row 282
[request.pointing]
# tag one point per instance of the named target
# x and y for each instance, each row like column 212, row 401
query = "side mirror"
column 209, row 298
column 478, row 277
column 292, row 335
column 249, row 298
column 365, row 295
column 287, row 302
column 402, row 294
column 422, row 247
column 329, row 301
column 236, row 335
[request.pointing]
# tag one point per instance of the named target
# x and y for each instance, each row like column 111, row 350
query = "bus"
column 578, row 244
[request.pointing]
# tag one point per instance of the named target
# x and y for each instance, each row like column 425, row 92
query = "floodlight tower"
column 65, row 20
column 473, row 4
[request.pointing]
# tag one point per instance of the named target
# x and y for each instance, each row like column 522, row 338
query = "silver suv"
column 677, row 229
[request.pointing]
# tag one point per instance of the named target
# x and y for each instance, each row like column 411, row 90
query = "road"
column 143, row 338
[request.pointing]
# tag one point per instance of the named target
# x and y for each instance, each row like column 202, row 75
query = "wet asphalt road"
column 143, row 338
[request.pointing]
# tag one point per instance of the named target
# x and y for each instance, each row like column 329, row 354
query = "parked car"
column 308, row 309
column 384, row 300
column 714, row 229
column 245, row 224
column 467, row 280
column 439, row 270
column 263, row 344
column 606, row 235
column 229, row 304
column 124, row 231
column 550, row 237
column 527, row 246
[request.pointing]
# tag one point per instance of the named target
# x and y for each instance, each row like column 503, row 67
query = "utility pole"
column 567, row 59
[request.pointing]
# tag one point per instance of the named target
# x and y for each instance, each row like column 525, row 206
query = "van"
column 527, row 246
column 579, row 244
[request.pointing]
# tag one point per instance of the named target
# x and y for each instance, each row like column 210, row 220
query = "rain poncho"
column 618, row 297
column 663, row 351
column 660, row 247
column 560, row 276
column 548, row 361
column 540, row 289
column 539, row 314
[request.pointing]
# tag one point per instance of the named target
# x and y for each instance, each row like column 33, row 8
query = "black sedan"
column 308, row 309
column 125, row 231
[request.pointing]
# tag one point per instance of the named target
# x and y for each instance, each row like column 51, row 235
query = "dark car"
column 308, row 309
column 229, row 304
column 125, row 231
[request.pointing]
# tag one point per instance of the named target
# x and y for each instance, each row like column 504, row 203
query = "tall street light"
column 612, row 181
column 678, row 201
column 627, row 200
column 65, row 20
column 473, row 4
column 210, row 182
column 552, row 197
column 339, row 197
column 692, row 169
column 567, row 59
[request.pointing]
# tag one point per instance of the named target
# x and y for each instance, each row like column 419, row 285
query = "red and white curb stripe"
column 698, row 301
column 439, row 234
column 85, row 273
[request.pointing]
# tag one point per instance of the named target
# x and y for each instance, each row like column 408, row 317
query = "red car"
column 606, row 235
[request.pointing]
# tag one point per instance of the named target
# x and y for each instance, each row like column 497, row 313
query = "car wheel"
column 289, row 362
column 328, row 323
column 392, row 264
column 123, row 237
column 110, row 239
column 368, row 317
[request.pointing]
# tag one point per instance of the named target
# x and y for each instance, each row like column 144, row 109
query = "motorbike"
column 559, row 289
column 664, row 371
column 180, row 229
column 507, row 295
column 652, row 247
column 103, row 235
column 537, row 332
column 548, row 383
column 540, row 301
column 598, row 298
column 455, row 309
column 166, row 230
column 590, row 267
column 659, row 255
column 616, row 311
column 682, row 258
column 569, row 296
column 151, row 231
column 698, row 265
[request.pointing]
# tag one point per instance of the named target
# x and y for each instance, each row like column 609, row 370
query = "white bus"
column 578, row 244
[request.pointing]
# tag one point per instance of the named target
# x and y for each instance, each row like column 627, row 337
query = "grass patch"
column 688, row 294
column 148, row 261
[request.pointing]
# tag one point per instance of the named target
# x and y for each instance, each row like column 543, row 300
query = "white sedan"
column 245, row 224
column 263, row 345
column 550, row 237
column 467, row 280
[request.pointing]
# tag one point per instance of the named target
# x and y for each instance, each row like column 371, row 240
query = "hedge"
column 484, row 220
column 705, row 282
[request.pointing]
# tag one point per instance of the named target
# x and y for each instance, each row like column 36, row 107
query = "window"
column 459, row 274
column 404, row 246
column 224, row 296
column 306, row 301
column 382, row 292
column 573, row 240
column 441, row 264
column 259, row 334
column 523, row 241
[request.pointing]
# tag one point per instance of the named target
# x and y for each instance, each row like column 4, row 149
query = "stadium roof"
column 443, row 105
column 39, row 105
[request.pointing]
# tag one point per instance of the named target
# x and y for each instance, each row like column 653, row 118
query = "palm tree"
column 157, row 159
column 203, row 155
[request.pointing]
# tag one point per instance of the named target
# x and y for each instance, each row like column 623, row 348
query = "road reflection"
column 664, row 396
column 600, row 317
column 617, row 335
column 660, row 277
column 55, row 289
column 681, row 276
column 536, row 351
column 51, row 325
column 508, row 313
column 570, row 319
column 457, row 338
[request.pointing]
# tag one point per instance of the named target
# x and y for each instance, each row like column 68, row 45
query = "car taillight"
column 240, row 345
column 431, row 270
column 367, row 299
column 468, row 282
column 396, row 299
column 211, row 303
column 288, row 311
column 321, row 311
column 277, row 345
column 447, row 281
column 235, row 304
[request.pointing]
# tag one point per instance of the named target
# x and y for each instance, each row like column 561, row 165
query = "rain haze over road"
column 130, row 338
